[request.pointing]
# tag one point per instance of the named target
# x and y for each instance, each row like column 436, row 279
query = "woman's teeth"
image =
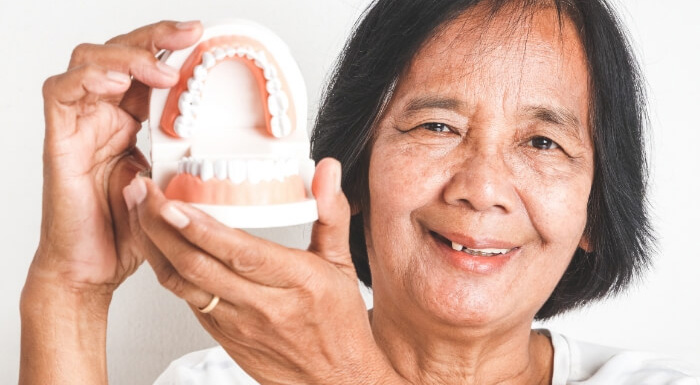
column 479, row 252
column 190, row 100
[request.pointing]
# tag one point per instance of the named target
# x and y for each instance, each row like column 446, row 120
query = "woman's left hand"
column 285, row 315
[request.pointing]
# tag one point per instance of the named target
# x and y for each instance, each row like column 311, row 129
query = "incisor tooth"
column 207, row 170
column 220, row 169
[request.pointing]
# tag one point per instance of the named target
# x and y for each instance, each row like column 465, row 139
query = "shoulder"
column 582, row 363
column 205, row 367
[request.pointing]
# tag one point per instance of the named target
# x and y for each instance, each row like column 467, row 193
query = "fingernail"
column 174, row 216
column 128, row 197
column 138, row 190
column 166, row 69
column 187, row 24
column 118, row 77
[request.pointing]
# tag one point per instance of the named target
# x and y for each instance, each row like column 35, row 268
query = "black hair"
column 384, row 42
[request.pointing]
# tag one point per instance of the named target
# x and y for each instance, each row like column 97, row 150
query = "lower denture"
column 192, row 189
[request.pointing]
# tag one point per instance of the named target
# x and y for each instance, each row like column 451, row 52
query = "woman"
column 493, row 163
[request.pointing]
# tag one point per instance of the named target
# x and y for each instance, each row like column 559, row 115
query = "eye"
column 436, row 127
column 542, row 143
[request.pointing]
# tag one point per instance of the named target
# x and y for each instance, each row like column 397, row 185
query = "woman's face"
column 485, row 143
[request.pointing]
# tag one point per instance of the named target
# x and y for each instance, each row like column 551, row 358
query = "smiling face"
column 485, row 144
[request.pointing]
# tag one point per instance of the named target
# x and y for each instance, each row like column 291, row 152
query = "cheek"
column 558, row 210
column 402, row 180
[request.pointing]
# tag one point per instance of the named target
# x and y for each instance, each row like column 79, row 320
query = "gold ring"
column 212, row 304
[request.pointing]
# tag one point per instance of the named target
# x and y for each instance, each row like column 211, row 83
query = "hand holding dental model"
column 273, row 315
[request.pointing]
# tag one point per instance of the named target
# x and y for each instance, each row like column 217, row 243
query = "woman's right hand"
column 93, row 112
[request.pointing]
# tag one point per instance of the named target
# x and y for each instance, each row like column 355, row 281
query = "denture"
column 230, row 136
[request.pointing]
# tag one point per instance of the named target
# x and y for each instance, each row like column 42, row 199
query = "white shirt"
column 575, row 363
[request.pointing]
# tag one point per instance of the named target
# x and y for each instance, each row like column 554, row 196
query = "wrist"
column 64, row 329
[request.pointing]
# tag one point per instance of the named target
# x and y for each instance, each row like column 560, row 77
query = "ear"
column 585, row 243
column 355, row 209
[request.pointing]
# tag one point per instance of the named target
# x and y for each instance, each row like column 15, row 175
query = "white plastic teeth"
column 277, row 99
column 479, row 252
column 239, row 170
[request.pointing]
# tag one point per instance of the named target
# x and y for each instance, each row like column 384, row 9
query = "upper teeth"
column 479, row 252
column 277, row 100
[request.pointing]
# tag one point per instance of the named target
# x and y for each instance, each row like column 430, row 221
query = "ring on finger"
column 211, row 305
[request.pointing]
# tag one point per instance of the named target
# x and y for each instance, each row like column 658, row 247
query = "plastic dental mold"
column 231, row 136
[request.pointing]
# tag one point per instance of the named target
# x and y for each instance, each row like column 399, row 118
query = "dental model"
column 231, row 136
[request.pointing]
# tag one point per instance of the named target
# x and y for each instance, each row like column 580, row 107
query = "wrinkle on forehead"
column 475, row 49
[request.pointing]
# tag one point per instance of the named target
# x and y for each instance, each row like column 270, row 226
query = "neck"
column 427, row 352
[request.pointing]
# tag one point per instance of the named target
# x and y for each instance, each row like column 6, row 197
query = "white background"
column 149, row 327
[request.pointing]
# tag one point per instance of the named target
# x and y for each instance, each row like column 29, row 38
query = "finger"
column 330, row 234
column 256, row 259
column 135, row 61
column 191, row 262
column 121, row 175
column 87, row 81
column 170, row 35
column 167, row 275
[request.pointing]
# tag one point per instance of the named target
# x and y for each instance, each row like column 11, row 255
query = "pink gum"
column 171, row 110
column 188, row 188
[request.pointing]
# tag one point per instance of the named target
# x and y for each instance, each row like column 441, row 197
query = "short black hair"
column 383, row 43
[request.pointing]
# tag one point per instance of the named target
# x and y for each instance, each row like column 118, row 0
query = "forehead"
column 513, row 57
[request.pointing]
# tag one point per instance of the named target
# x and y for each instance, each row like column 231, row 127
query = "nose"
column 482, row 182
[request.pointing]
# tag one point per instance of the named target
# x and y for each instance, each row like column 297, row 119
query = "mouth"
column 472, row 255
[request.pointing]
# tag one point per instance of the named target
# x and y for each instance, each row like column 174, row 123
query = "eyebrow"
column 561, row 117
column 432, row 102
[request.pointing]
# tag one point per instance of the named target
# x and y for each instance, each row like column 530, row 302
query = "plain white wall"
column 149, row 327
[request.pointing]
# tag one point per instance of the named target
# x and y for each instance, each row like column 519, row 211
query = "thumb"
column 122, row 174
column 331, row 232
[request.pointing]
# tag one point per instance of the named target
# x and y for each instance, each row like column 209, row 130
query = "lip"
column 472, row 263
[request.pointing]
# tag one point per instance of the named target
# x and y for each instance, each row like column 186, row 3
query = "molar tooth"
column 270, row 72
column 194, row 85
column 280, row 125
column 277, row 103
column 206, row 170
column 273, row 86
column 183, row 126
column 237, row 171
column 261, row 59
column 196, row 99
column 220, row 169
column 230, row 51
column 208, row 60
column 200, row 72
column 195, row 167
column 185, row 107
column 186, row 96
column 219, row 53
column 457, row 246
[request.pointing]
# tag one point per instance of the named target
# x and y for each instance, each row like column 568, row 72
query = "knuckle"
column 172, row 281
column 80, row 52
column 246, row 260
column 194, row 267
column 48, row 86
